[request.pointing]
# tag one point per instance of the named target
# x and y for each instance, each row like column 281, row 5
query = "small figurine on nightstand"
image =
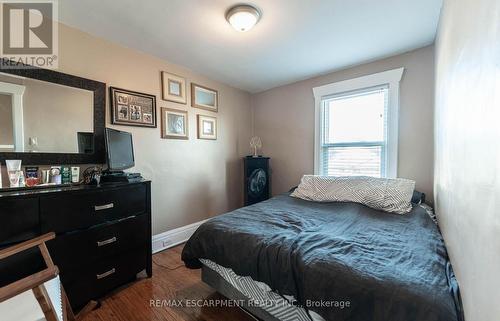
column 256, row 144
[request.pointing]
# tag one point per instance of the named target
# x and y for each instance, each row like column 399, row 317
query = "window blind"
column 354, row 133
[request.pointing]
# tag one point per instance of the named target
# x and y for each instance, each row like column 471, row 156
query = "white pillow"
column 386, row 194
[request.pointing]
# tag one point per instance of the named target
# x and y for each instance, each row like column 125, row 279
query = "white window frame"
column 391, row 78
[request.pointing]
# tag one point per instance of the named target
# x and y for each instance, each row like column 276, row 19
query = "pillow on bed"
column 386, row 194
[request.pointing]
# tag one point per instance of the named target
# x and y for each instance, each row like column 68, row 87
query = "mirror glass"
column 43, row 117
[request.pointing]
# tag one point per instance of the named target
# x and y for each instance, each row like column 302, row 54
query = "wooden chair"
column 38, row 283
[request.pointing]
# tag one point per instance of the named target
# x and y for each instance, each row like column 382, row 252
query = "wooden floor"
column 170, row 281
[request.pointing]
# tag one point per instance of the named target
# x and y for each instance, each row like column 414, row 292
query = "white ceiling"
column 294, row 40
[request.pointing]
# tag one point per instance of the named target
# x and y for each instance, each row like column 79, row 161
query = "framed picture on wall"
column 173, row 87
column 204, row 97
column 207, row 127
column 174, row 123
column 132, row 108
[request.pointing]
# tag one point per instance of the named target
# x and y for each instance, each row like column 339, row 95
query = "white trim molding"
column 17, row 92
column 174, row 237
column 391, row 78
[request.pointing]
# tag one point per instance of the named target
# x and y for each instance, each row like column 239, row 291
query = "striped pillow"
column 386, row 194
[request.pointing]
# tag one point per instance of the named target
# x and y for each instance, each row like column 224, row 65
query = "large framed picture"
column 132, row 108
column 207, row 127
column 204, row 97
column 174, row 123
column 173, row 87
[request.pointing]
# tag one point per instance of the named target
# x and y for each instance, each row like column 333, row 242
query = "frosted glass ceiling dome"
column 243, row 17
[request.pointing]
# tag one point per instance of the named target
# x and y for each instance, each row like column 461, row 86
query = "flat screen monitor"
column 120, row 150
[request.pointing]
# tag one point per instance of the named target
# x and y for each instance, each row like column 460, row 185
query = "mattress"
column 260, row 295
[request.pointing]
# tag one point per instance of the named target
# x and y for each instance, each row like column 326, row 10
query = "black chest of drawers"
column 103, row 235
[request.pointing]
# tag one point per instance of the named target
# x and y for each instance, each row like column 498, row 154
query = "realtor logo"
column 29, row 34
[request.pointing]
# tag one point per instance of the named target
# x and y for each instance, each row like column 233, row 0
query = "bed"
column 317, row 256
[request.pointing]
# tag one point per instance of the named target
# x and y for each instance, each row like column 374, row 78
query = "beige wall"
column 467, row 164
column 284, row 119
column 193, row 179
column 6, row 130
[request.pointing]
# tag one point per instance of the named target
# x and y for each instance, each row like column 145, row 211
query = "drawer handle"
column 104, row 207
column 105, row 274
column 105, row 242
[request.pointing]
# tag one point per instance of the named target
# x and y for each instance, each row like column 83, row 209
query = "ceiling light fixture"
column 243, row 17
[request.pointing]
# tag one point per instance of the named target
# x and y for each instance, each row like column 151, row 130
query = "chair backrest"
column 45, row 284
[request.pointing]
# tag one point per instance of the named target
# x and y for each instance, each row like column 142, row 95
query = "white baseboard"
column 174, row 237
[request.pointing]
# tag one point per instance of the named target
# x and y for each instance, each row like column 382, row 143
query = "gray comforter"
column 387, row 266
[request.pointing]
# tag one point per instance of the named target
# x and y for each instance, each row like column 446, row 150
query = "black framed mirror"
column 51, row 118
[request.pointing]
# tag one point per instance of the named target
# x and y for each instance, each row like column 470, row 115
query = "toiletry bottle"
column 22, row 180
column 75, row 174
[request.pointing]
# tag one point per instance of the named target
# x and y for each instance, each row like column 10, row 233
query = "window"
column 357, row 125
column 354, row 133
